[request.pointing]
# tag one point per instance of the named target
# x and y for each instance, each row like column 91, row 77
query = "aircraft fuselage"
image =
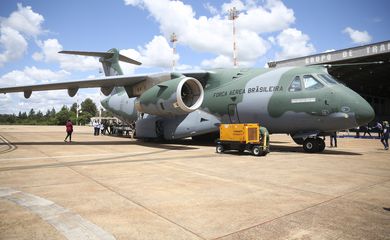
column 293, row 100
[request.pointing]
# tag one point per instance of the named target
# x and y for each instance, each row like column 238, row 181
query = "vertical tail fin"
column 110, row 60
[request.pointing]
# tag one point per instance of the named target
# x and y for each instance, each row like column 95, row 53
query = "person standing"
column 333, row 139
column 105, row 128
column 101, row 128
column 366, row 130
column 69, row 130
column 379, row 129
column 357, row 132
column 96, row 128
column 385, row 135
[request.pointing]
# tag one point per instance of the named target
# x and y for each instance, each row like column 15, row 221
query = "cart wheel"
column 219, row 148
column 256, row 151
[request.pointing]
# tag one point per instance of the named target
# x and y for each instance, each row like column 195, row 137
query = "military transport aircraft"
column 305, row 102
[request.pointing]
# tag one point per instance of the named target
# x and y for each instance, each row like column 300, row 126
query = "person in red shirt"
column 69, row 130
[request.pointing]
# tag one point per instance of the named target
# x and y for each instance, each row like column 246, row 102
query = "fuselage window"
column 296, row 85
column 311, row 83
column 328, row 78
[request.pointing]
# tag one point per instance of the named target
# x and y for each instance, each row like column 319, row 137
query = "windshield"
column 310, row 83
column 295, row 85
column 328, row 78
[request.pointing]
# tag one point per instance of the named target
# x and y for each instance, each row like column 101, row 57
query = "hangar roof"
column 365, row 69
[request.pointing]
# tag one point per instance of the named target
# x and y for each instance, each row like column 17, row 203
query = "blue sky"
column 31, row 32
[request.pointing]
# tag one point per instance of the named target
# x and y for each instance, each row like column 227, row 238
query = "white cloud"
column 274, row 16
column 358, row 37
column 49, row 53
column 128, row 68
column 220, row 61
column 156, row 53
column 239, row 5
column 329, row 50
column 15, row 102
column 133, row 2
column 25, row 21
column 210, row 8
column 214, row 34
column 14, row 44
column 31, row 75
column 15, row 30
column 294, row 43
column 38, row 56
column 43, row 101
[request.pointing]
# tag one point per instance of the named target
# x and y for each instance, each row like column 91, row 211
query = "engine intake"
column 174, row 97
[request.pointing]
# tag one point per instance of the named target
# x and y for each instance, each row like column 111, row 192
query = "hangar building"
column 365, row 69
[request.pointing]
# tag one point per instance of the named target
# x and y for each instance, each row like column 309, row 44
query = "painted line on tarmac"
column 69, row 224
column 125, row 154
column 10, row 146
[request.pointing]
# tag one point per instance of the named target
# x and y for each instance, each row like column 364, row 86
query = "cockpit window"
column 328, row 78
column 296, row 85
column 311, row 83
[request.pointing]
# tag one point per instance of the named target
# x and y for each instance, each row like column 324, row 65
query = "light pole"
column 77, row 109
column 77, row 116
column 173, row 41
column 233, row 15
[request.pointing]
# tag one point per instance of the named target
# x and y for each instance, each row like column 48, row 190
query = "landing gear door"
column 233, row 114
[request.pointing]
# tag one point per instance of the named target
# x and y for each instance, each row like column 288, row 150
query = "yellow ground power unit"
column 243, row 136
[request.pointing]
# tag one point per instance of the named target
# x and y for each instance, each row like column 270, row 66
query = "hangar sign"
column 334, row 56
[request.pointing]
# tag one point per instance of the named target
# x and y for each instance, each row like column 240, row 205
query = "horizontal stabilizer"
column 103, row 55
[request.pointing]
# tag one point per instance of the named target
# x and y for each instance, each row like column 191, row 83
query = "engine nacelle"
column 174, row 97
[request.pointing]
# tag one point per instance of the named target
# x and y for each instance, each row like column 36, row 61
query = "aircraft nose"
column 364, row 113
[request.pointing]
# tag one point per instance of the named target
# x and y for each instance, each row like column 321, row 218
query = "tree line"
column 51, row 117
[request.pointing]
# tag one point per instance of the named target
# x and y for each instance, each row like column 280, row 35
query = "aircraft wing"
column 105, row 83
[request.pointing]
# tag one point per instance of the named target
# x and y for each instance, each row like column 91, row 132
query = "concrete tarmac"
column 104, row 187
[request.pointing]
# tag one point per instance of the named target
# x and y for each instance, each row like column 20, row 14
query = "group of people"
column 383, row 130
column 100, row 128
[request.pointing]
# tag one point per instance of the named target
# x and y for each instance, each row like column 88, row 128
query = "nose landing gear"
column 313, row 145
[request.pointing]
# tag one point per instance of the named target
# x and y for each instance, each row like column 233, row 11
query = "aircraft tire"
column 219, row 148
column 311, row 145
column 321, row 145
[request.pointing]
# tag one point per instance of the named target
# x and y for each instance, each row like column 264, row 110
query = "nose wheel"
column 313, row 145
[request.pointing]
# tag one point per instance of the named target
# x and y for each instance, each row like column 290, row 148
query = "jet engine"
column 178, row 96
